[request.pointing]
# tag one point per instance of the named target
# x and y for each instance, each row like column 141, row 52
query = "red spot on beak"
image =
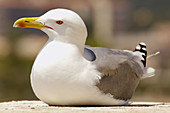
column 21, row 26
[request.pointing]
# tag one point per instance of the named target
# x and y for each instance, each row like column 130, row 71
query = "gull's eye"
column 59, row 22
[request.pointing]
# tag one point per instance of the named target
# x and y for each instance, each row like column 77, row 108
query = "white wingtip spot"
column 142, row 43
column 144, row 49
column 138, row 47
column 143, row 54
column 142, row 59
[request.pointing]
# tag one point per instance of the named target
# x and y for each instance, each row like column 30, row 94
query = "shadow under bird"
column 66, row 72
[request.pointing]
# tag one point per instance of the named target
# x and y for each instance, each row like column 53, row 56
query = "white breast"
column 61, row 76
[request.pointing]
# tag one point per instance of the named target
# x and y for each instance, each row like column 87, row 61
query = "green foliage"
column 15, row 79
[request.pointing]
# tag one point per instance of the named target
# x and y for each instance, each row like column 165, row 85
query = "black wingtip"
column 141, row 47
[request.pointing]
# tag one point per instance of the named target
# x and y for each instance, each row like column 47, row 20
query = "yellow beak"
column 29, row 23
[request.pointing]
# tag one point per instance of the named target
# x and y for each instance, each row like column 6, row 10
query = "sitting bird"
column 66, row 72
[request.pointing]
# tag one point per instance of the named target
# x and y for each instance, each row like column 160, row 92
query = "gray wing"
column 120, row 71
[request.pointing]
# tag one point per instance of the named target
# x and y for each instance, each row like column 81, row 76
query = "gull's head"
column 59, row 24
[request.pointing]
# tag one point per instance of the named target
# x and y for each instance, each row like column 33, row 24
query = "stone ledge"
column 40, row 107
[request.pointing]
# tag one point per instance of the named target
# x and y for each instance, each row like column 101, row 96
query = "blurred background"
column 119, row 24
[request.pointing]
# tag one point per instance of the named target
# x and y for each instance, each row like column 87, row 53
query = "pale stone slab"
column 40, row 107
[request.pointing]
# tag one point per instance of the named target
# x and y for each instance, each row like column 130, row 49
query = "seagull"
column 67, row 72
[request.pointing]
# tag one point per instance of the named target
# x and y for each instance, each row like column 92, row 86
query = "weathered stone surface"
column 40, row 107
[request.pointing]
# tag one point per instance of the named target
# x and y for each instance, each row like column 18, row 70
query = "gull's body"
column 70, row 86
column 66, row 72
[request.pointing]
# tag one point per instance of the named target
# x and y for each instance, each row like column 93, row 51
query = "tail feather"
column 141, row 47
column 149, row 72
column 141, row 51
